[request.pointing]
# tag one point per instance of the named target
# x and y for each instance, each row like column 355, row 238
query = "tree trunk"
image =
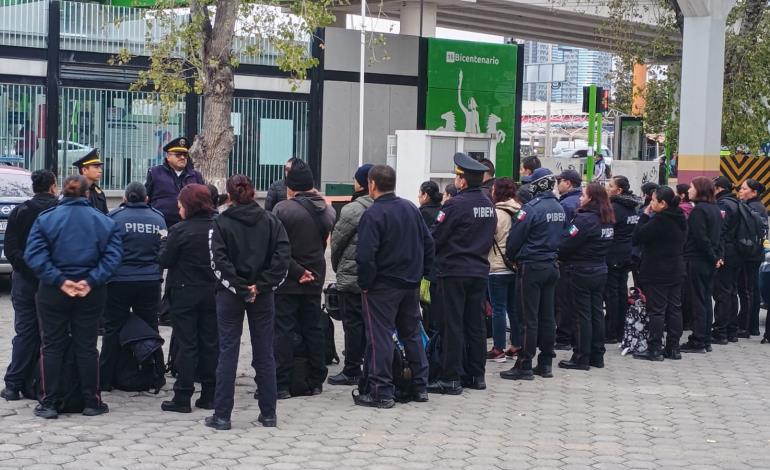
column 213, row 145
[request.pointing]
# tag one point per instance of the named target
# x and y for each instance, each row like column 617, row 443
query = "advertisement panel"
column 472, row 88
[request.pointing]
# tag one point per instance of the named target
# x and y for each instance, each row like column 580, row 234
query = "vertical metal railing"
column 249, row 116
column 125, row 126
column 24, row 23
column 22, row 127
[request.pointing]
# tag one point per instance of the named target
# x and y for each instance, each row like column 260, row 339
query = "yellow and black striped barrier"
column 740, row 168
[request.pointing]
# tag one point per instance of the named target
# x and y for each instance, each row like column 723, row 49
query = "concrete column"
column 703, row 63
column 410, row 19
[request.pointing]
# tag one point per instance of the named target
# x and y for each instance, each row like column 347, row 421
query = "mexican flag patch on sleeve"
column 573, row 231
column 440, row 217
column 521, row 215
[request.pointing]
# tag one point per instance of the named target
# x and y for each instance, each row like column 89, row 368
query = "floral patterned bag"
column 637, row 326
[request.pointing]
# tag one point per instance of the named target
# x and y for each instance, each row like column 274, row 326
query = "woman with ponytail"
column 430, row 198
column 750, row 193
column 250, row 255
column 662, row 271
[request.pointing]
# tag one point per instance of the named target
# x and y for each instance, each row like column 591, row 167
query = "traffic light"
column 602, row 99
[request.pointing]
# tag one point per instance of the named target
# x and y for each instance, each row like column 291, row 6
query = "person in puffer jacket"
column 73, row 249
column 502, row 280
column 344, row 244
column 250, row 254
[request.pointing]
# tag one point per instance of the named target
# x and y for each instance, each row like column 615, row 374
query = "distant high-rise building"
column 583, row 67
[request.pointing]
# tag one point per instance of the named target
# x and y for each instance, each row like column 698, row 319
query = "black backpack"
column 749, row 233
column 134, row 376
column 402, row 376
column 71, row 395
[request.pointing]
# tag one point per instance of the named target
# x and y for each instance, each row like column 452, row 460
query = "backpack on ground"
column 749, row 232
column 402, row 375
column 140, row 365
column 330, row 355
column 637, row 325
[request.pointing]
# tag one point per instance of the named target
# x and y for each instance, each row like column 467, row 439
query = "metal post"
column 548, row 143
column 361, row 87
column 52, row 89
column 591, row 130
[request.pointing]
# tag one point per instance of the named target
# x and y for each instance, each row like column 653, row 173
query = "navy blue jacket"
column 570, row 201
column 587, row 240
column 536, row 231
column 626, row 208
column 73, row 241
column 464, row 232
column 141, row 228
column 394, row 245
column 163, row 187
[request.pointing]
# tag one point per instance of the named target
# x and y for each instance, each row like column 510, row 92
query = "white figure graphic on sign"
column 449, row 122
column 492, row 123
column 471, row 112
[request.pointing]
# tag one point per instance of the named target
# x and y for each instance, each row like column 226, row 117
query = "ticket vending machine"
column 428, row 155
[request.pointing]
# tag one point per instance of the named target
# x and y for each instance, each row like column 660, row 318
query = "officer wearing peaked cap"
column 90, row 166
column 464, row 232
column 165, row 181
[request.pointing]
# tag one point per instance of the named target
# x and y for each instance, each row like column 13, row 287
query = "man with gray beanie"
column 532, row 244
column 135, row 287
column 344, row 246
column 308, row 220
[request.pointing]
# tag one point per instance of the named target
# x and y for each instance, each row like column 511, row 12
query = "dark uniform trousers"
column 124, row 298
column 462, row 327
column 194, row 319
column 586, row 288
column 664, row 307
column 353, row 326
column 700, row 277
column 261, row 317
column 748, row 290
column 26, row 343
column 387, row 310
column 563, row 312
column 536, row 284
column 616, row 301
column 726, row 300
column 299, row 315
column 61, row 316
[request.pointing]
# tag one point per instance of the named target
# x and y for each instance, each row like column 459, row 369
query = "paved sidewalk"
column 704, row 412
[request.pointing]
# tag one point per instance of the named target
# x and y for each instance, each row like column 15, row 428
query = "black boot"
column 176, row 406
column 220, row 424
column 446, row 387
column 522, row 370
column 651, row 354
column 575, row 363
column 673, row 353
column 690, row 347
column 475, row 383
column 543, row 370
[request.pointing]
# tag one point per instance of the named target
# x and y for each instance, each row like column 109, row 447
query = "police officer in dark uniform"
column 135, row 286
column 165, row 181
column 395, row 250
column 532, row 243
column 90, row 166
column 464, row 232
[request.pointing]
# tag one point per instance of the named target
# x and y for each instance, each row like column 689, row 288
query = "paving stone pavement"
column 703, row 412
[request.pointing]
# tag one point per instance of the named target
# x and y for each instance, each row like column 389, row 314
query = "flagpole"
column 361, row 87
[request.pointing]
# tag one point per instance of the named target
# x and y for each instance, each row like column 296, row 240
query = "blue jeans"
column 502, row 291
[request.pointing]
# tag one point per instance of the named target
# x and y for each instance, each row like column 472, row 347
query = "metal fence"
column 93, row 27
column 127, row 129
column 267, row 133
column 24, row 23
column 125, row 126
column 22, row 123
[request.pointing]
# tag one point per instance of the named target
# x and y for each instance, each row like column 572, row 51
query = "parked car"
column 15, row 188
column 74, row 151
column 582, row 154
